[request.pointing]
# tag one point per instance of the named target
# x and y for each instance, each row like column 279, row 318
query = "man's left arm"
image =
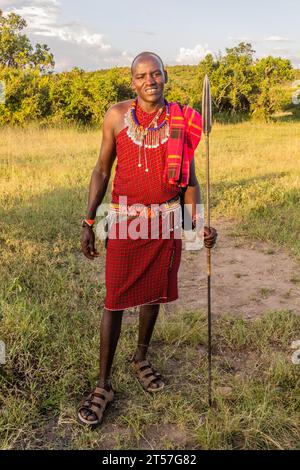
column 193, row 197
column 192, row 194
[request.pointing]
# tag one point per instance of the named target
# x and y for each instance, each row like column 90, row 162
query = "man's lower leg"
column 147, row 319
column 110, row 329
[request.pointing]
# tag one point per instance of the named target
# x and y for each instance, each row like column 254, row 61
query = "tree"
column 232, row 79
column 235, row 79
column 244, row 49
column 16, row 49
column 207, row 66
column 271, row 73
column 275, row 69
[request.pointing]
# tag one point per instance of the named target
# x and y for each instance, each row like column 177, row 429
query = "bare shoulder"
column 119, row 109
column 114, row 116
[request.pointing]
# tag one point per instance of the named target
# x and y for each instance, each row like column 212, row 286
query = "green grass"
column 264, row 292
column 51, row 301
column 255, row 177
column 48, row 371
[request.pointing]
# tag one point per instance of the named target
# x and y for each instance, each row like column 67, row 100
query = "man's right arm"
column 102, row 171
column 100, row 179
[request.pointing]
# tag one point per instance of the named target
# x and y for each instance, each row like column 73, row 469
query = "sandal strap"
column 148, row 370
column 98, row 401
column 145, row 372
column 141, row 364
column 102, row 391
column 147, row 380
column 97, row 410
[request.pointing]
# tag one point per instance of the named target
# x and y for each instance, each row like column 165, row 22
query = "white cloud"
column 240, row 39
column 277, row 39
column 42, row 20
column 259, row 40
column 91, row 51
column 281, row 50
column 192, row 56
column 12, row 3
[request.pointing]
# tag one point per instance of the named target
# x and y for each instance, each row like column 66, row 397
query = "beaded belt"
column 140, row 210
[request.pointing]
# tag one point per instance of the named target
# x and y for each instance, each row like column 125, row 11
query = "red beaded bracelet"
column 89, row 222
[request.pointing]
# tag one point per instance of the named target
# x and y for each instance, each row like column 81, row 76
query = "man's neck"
column 151, row 107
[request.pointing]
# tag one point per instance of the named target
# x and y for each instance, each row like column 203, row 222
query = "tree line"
column 242, row 86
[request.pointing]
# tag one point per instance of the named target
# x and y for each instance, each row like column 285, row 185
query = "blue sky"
column 95, row 34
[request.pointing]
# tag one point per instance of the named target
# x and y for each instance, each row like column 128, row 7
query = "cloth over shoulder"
column 185, row 135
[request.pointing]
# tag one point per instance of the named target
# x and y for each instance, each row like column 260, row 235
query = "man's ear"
column 166, row 76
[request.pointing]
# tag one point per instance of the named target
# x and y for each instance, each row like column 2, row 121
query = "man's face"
column 148, row 79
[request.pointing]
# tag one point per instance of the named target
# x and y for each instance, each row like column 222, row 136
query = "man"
column 154, row 143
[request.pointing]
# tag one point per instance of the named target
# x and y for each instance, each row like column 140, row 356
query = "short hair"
column 145, row 53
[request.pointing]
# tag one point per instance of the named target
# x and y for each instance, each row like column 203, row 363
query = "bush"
column 242, row 87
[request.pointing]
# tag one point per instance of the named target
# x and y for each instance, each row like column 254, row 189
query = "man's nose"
column 150, row 80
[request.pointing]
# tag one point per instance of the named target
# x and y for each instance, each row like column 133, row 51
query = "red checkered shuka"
column 141, row 271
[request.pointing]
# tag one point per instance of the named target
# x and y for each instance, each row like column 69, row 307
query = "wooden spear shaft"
column 207, row 124
column 208, row 252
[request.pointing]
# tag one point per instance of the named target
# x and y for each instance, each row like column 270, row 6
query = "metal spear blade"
column 206, row 106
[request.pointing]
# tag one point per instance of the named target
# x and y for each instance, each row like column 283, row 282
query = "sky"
column 95, row 34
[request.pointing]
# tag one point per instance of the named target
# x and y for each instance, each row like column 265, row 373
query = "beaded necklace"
column 151, row 136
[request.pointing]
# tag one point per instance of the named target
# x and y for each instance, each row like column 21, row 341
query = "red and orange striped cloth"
column 185, row 134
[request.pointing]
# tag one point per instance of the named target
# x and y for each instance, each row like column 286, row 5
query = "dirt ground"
column 248, row 277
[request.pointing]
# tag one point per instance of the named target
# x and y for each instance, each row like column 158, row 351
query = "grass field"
column 51, row 304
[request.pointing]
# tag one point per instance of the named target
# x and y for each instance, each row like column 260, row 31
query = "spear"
column 207, row 123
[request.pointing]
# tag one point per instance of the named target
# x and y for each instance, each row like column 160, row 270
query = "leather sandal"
column 147, row 375
column 96, row 403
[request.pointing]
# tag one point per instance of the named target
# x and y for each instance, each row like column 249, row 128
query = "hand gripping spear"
column 207, row 123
